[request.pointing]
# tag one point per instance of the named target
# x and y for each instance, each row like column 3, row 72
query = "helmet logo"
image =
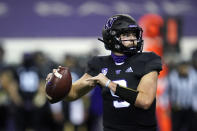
column 131, row 26
column 110, row 22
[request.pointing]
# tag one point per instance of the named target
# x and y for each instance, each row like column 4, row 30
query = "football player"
column 128, row 78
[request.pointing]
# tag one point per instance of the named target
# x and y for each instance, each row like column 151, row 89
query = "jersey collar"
column 119, row 60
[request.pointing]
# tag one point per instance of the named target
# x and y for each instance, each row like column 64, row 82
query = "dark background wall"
column 65, row 18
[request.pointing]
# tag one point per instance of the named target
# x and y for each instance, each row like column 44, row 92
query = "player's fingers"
column 92, row 83
column 54, row 70
column 101, row 75
column 49, row 76
column 60, row 67
column 92, row 79
column 89, row 79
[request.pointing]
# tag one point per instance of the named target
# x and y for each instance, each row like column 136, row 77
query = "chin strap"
column 101, row 40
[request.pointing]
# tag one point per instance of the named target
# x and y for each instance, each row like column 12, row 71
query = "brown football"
column 58, row 87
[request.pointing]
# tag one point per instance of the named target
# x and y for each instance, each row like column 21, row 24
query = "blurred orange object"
column 153, row 41
column 151, row 25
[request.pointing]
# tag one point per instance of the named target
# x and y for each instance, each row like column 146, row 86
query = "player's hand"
column 50, row 74
column 99, row 79
column 91, row 83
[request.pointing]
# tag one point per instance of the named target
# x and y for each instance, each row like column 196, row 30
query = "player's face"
column 128, row 39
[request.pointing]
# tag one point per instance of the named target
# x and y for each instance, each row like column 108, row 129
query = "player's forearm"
column 147, row 90
column 71, row 95
column 80, row 88
column 77, row 91
column 143, row 100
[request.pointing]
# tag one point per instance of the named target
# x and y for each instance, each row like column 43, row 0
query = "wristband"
column 107, row 83
column 126, row 94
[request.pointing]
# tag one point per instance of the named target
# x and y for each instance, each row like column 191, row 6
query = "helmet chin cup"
column 117, row 46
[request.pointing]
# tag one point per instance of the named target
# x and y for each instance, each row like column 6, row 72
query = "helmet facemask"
column 134, row 48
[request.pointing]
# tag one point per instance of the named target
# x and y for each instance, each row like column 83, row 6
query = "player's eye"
column 129, row 34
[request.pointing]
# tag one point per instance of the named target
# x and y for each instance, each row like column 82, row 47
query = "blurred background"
column 38, row 35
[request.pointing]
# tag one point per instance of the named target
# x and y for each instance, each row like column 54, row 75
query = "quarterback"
column 128, row 78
